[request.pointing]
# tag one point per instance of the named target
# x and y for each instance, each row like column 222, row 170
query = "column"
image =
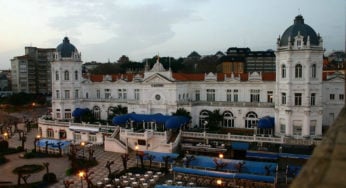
column 306, row 124
column 288, row 125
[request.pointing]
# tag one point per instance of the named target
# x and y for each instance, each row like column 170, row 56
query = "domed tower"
column 66, row 79
column 299, row 60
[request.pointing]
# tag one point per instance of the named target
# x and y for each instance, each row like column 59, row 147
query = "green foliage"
column 214, row 119
column 182, row 112
column 20, row 148
column 20, row 99
column 28, row 169
column 49, row 178
column 69, row 172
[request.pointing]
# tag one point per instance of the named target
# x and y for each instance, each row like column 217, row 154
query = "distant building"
column 31, row 72
column 243, row 60
column 5, row 83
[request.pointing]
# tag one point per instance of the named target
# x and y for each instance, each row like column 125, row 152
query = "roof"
column 299, row 27
column 65, row 49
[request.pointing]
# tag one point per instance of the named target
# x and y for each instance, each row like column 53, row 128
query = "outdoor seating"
column 144, row 185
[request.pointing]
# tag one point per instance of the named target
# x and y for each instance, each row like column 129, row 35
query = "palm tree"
column 150, row 158
column 59, row 146
column 214, row 119
column 125, row 158
column 119, row 110
column 108, row 166
column 91, row 152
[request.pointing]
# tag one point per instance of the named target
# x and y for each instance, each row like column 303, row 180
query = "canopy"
column 170, row 122
column 227, row 175
column 240, row 146
column 78, row 112
column 53, row 144
column 266, row 122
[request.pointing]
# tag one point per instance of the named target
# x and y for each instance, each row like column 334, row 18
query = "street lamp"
column 136, row 148
column 219, row 182
column 5, row 136
column 221, row 155
column 37, row 138
column 83, row 144
column 81, row 175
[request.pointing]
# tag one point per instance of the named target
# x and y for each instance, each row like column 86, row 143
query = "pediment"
column 120, row 81
column 157, row 78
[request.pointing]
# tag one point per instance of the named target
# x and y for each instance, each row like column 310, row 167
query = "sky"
column 104, row 30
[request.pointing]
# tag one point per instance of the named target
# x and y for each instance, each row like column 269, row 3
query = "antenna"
column 299, row 12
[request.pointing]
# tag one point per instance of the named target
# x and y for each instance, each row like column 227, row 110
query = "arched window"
column 298, row 71
column 251, row 120
column 283, row 71
column 76, row 75
column 66, row 75
column 97, row 112
column 203, row 116
column 50, row 133
column 228, row 119
column 313, row 71
column 110, row 112
column 62, row 134
column 56, row 75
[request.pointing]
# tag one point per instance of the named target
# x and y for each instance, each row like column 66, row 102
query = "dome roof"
column 299, row 27
column 65, row 49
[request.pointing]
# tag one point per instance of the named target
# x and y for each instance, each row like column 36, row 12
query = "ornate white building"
column 299, row 95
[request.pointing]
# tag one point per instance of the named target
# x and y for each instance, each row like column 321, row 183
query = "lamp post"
column 136, row 148
column 81, row 175
column 5, row 136
column 221, row 156
column 83, row 144
column 37, row 138
column 205, row 134
column 219, row 182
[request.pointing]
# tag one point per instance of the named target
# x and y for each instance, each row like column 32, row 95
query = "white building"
column 300, row 96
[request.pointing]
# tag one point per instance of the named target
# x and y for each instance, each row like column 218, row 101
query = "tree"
column 166, row 159
column 182, row 112
column 119, row 110
column 239, row 166
column 125, row 158
column 214, row 119
column 46, row 165
column 59, row 144
column 91, row 152
column 108, row 166
column 219, row 164
column 187, row 160
column 23, row 141
column 150, row 158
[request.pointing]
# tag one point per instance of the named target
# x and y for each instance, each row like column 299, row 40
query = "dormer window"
column 299, row 43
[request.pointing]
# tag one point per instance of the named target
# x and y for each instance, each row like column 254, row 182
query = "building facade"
column 299, row 95
column 31, row 72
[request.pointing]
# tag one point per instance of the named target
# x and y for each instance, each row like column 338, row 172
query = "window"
column 57, row 94
column 313, row 71
column 50, row 133
column 136, row 94
column 210, row 94
column 76, row 94
column 122, row 94
column 203, row 116
column 254, row 95
column 270, row 96
column 197, row 95
column 331, row 96
column 58, row 115
column 76, row 75
column 67, row 94
column 235, row 95
column 66, row 75
column 283, row 71
column 77, row 137
column 298, row 99
column 341, row 97
column 298, row 71
column 98, row 94
column 92, row 138
column 62, row 134
column 251, row 120
column 297, row 127
column 107, row 93
column 97, row 112
column 282, row 126
column 56, row 75
column 299, row 43
column 313, row 127
column 68, row 114
column 87, row 95
column 229, row 95
column 228, row 120
column 313, row 99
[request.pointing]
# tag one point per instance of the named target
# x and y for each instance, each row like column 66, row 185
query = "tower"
column 298, row 99
column 66, row 79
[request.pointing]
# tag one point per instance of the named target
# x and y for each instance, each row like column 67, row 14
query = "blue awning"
column 78, row 112
column 240, row 146
column 266, row 122
column 158, row 156
column 53, row 144
column 170, row 122
column 226, row 175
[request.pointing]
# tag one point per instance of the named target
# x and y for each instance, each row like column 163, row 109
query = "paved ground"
column 59, row 165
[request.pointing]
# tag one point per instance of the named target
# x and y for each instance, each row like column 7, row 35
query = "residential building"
column 31, row 72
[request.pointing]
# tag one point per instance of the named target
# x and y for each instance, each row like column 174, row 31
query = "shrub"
column 69, row 172
column 20, row 148
column 28, row 169
column 2, row 159
column 3, row 145
column 49, row 178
